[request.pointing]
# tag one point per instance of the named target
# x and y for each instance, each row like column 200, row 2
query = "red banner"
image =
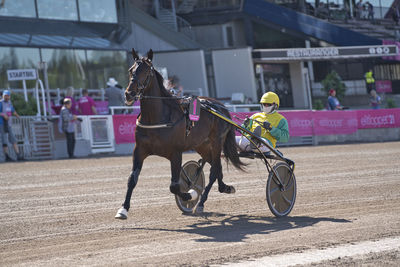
column 124, row 128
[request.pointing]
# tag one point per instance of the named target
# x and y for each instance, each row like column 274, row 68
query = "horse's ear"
column 150, row 55
column 134, row 55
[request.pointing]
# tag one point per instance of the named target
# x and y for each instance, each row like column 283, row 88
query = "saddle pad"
column 194, row 110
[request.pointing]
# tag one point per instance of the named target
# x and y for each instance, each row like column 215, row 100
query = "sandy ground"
column 61, row 213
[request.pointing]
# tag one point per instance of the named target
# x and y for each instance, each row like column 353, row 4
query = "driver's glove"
column 267, row 125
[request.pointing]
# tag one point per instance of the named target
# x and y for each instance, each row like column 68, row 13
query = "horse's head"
column 140, row 75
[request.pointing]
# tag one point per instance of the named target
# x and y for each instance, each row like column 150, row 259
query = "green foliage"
column 24, row 108
column 390, row 103
column 334, row 81
column 318, row 105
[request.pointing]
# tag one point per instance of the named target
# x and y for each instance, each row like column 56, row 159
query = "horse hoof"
column 122, row 214
column 199, row 209
column 232, row 190
column 227, row 189
column 186, row 196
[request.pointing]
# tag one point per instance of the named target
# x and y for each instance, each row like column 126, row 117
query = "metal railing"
column 166, row 13
column 35, row 137
column 57, row 93
column 218, row 4
column 125, row 109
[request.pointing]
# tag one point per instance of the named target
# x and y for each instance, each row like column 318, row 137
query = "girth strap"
column 153, row 126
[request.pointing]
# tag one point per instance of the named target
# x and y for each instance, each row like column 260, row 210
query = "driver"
column 268, row 124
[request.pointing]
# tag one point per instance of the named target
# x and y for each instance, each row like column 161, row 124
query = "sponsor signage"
column 301, row 123
column 23, row 74
column 124, row 128
column 323, row 53
column 383, row 86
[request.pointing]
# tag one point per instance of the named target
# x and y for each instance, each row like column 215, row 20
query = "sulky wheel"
column 281, row 198
column 191, row 177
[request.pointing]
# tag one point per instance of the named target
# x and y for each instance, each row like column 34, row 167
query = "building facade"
column 83, row 42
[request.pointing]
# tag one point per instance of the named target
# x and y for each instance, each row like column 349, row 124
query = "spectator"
column 359, row 9
column 369, row 79
column 375, row 100
column 7, row 110
column 333, row 102
column 322, row 11
column 274, row 127
column 370, row 11
column 86, row 104
column 173, row 86
column 114, row 95
column 70, row 95
column 67, row 125
column 395, row 15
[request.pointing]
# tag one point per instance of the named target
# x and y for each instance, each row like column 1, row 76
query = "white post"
column 25, row 91
column 39, row 114
column 58, row 96
column 46, row 82
column 39, row 82
column 310, row 64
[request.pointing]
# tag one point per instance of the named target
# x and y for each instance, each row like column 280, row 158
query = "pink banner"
column 300, row 122
column 392, row 42
column 335, row 122
column 379, row 118
column 101, row 107
column 124, row 128
column 383, row 86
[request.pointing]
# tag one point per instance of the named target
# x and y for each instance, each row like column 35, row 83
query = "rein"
column 159, row 97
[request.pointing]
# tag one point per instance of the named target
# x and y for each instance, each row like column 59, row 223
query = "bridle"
column 142, row 86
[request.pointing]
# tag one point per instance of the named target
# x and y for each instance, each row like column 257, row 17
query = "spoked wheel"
column 191, row 177
column 281, row 198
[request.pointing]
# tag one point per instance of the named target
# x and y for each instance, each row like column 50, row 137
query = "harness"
column 189, row 105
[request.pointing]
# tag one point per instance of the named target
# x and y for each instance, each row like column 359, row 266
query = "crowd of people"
column 375, row 100
column 361, row 10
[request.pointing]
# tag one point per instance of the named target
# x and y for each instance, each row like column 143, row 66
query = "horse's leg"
column 222, row 187
column 132, row 181
column 214, row 170
column 176, row 165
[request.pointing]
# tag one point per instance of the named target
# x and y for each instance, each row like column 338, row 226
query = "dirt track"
column 61, row 213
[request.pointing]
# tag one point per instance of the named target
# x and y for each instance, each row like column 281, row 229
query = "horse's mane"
column 173, row 102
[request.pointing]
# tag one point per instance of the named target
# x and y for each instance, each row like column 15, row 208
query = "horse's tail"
column 231, row 151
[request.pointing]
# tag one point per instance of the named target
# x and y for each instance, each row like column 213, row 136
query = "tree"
column 24, row 108
column 334, row 81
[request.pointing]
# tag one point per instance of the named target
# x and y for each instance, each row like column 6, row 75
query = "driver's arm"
column 281, row 132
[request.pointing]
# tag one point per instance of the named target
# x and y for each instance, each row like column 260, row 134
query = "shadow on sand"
column 239, row 227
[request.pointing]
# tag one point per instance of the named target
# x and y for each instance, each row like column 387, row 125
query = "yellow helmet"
column 270, row 98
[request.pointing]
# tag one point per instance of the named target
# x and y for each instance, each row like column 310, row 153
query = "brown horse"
column 162, row 128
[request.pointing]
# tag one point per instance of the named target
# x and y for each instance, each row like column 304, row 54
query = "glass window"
column 59, row 9
column 98, row 11
column 17, row 58
column 102, row 65
column 65, row 68
column 20, row 8
column 277, row 79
